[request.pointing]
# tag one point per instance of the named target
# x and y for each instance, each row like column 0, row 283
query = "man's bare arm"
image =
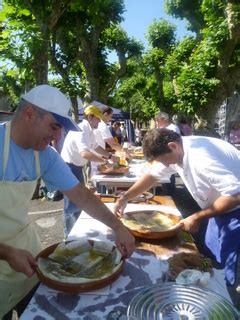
column 87, row 201
column 143, row 184
column 88, row 155
column 220, row 206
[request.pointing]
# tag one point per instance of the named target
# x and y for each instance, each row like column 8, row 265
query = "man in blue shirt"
column 25, row 156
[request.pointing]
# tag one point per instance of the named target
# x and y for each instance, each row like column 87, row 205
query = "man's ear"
column 172, row 146
column 90, row 117
column 29, row 112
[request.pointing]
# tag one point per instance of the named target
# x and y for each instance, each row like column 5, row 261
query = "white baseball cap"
column 54, row 101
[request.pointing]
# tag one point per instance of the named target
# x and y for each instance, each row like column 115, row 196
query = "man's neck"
column 18, row 135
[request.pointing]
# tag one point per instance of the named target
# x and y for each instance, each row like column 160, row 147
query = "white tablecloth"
column 137, row 168
column 141, row 270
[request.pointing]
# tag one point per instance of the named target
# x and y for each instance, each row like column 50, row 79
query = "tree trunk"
column 159, row 79
column 229, row 67
column 74, row 108
column 40, row 62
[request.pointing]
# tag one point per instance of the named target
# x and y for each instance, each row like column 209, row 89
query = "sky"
column 140, row 14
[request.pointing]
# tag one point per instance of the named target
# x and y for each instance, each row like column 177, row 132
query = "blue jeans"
column 71, row 212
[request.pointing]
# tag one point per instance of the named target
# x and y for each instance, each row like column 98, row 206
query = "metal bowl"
column 176, row 302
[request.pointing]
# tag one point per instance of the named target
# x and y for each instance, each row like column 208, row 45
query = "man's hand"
column 190, row 224
column 128, row 155
column 109, row 164
column 21, row 261
column 119, row 206
column 125, row 241
column 115, row 159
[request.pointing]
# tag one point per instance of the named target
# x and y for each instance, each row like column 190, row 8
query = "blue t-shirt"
column 21, row 166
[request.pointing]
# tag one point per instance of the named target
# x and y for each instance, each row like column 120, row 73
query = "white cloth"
column 78, row 141
column 102, row 133
column 173, row 127
column 210, row 169
column 16, row 231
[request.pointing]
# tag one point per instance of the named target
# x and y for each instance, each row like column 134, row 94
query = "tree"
column 161, row 36
column 137, row 91
column 210, row 73
column 145, row 89
column 189, row 10
column 72, row 38
column 26, row 30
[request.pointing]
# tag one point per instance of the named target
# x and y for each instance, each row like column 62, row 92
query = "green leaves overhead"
column 68, row 43
column 161, row 34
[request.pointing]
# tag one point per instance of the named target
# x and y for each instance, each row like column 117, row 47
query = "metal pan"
column 170, row 301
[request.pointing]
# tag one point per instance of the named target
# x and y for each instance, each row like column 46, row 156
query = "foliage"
column 68, row 39
column 180, row 56
column 187, row 9
column 145, row 89
column 161, row 34
column 67, row 43
column 199, row 67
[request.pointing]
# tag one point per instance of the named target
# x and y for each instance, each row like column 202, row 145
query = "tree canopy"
column 67, row 43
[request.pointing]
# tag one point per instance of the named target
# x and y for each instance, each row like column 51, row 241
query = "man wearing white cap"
column 79, row 148
column 25, row 155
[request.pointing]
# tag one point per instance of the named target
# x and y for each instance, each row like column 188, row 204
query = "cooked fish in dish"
column 80, row 262
column 152, row 222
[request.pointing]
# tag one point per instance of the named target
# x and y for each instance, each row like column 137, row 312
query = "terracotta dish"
column 113, row 170
column 73, row 287
column 151, row 224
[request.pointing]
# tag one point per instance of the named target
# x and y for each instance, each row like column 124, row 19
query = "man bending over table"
column 210, row 169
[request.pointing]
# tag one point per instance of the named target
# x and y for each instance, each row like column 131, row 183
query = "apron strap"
column 37, row 161
column 6, row 152
column 6, row 147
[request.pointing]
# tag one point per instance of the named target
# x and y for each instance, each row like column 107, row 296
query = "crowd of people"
column 42, row 119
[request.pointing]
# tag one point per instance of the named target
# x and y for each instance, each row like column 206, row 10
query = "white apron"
column 16, row 231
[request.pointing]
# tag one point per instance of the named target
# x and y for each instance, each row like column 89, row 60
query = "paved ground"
column 48, row 218
column 48, row 214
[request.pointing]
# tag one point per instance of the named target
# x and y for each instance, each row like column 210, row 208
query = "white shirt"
column 173, row 127
column 102, row 133
column 211, row 168
column 78, row 141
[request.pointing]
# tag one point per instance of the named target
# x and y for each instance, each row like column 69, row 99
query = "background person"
column 25, row 156
column 214, row 182
column 79, row 148
column 115, row 130
column 184, row 127
column 234, row 135
column 104, row 136
column 138, row 136
column 124, row 133
column 162, row 120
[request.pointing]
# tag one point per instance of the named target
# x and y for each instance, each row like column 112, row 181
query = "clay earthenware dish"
column 78, row 287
